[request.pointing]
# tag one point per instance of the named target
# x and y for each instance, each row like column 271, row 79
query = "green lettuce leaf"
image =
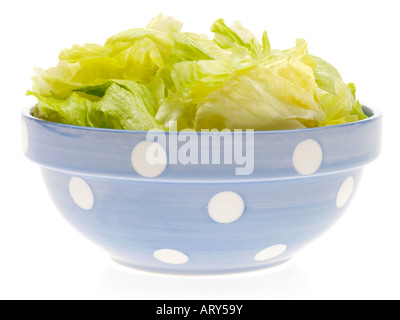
column 225, row 37
column 276, row 96
column 80, row 53
column 73, row 110
column 195, row 80
column 61, row 80
column 338, row 100
column 141, row 91
column 124, row 105
column 210, row 47
column 165, row 24
column 124, row 109
column 173, row 109
column 124, row 40
column 242, row 32
column 185, row 49
column 140, row 61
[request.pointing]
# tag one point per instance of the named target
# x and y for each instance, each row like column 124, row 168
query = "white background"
column 42, row 257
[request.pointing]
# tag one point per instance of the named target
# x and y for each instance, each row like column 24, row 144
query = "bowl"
column 202, row 203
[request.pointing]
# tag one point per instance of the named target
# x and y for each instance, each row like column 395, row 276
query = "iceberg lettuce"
column 144, row 78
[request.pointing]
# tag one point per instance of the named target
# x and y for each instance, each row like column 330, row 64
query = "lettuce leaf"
column 124, row 105
column 277, row 96
column 73, row 110
column 185, row 49
column 172, row 108
column 165, row 24
column 338, row 99
column 124, row 109
column 142, row 92
column 195, row 80
column 225, row 37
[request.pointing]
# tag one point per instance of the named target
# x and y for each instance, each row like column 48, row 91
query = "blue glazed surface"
column 132, row 216
column 108, row 152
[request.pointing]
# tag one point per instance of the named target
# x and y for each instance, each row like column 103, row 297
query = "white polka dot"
column 307, row 157
column 345, row 192
column 81, row 193
column 24, row 136
column 271, row 252
column 170, row 256
column 149, row 159
column 226, row 207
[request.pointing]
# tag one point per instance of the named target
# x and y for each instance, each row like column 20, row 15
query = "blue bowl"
column 177, row 217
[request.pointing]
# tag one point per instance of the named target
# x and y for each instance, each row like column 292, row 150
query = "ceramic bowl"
column 187, row 218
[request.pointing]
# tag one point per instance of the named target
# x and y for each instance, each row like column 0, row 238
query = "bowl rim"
column 375, row 114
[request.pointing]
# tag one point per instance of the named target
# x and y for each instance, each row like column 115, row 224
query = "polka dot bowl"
column 201, row 218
